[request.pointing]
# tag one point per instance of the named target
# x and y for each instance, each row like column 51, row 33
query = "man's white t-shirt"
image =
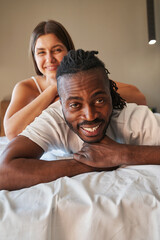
column 135, row 125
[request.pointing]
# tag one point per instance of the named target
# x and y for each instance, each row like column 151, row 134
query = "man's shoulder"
column 135, row 124
column 49, row 129
column 54, row 111
column 55, row 107
column 129, row 110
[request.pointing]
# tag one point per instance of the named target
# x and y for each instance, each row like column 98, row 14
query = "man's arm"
column 109, row 153
column 20, row 166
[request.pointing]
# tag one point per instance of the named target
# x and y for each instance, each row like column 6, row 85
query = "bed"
column 123, row 204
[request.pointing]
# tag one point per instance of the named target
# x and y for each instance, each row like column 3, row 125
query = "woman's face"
column 49, row 52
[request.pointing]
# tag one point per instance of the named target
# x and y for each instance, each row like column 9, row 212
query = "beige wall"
column 117, row 28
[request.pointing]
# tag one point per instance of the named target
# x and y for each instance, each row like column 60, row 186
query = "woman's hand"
column 52, row 92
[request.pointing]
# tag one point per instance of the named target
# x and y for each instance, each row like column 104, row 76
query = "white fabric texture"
column 119, row 205
column 133, row 125
column 51, row 155
column 3, row 143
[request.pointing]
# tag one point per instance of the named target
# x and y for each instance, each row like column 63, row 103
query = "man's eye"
column 100, row 100
column 74, row 105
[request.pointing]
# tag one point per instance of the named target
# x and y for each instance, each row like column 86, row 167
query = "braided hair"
column 79, row 60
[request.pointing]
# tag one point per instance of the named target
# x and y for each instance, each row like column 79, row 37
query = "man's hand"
column 104, row 154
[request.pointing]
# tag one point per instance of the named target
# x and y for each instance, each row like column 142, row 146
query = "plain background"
column 116, row 28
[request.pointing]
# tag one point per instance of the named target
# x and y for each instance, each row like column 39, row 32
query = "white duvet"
column 119, row 205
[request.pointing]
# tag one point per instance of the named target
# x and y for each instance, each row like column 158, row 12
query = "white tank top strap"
column 35, row 80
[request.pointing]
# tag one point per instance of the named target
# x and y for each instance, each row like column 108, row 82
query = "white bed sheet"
column 3, row 143
column 120, row 205
column 48, row 156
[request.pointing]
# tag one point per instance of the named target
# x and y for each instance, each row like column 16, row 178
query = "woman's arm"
column 131, row 93
column 25, row 105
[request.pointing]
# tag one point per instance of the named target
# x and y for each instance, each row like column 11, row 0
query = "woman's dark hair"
column 47, row 27
column 79, row 60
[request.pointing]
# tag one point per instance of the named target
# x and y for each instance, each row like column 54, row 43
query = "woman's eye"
column 57, row 50
column 41, row 53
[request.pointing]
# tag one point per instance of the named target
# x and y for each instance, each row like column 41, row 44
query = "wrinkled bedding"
column 3, row 143
column 118, row 205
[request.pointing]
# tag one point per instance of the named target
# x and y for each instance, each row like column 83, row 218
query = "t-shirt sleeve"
column 47, row 130
column 141, row 126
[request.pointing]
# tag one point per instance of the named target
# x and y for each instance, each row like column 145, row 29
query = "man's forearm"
column 139, row 155
column 21, row 173
column 109, row 153
column 20, row 165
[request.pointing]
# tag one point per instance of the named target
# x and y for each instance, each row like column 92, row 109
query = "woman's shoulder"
column 27, row 81
column 28, row 84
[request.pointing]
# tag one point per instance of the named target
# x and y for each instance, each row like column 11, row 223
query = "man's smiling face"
column 86, row 103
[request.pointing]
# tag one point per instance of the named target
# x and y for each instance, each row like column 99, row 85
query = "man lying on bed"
column 101, row 130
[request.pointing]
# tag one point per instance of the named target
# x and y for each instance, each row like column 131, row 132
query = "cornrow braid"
column 79, row 60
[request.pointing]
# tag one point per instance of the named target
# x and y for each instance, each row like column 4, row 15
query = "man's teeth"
column 91, row 129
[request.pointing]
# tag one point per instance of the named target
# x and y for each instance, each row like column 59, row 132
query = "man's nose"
column 89, row 113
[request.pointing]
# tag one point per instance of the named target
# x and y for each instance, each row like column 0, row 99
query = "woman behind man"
column 50, row 42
